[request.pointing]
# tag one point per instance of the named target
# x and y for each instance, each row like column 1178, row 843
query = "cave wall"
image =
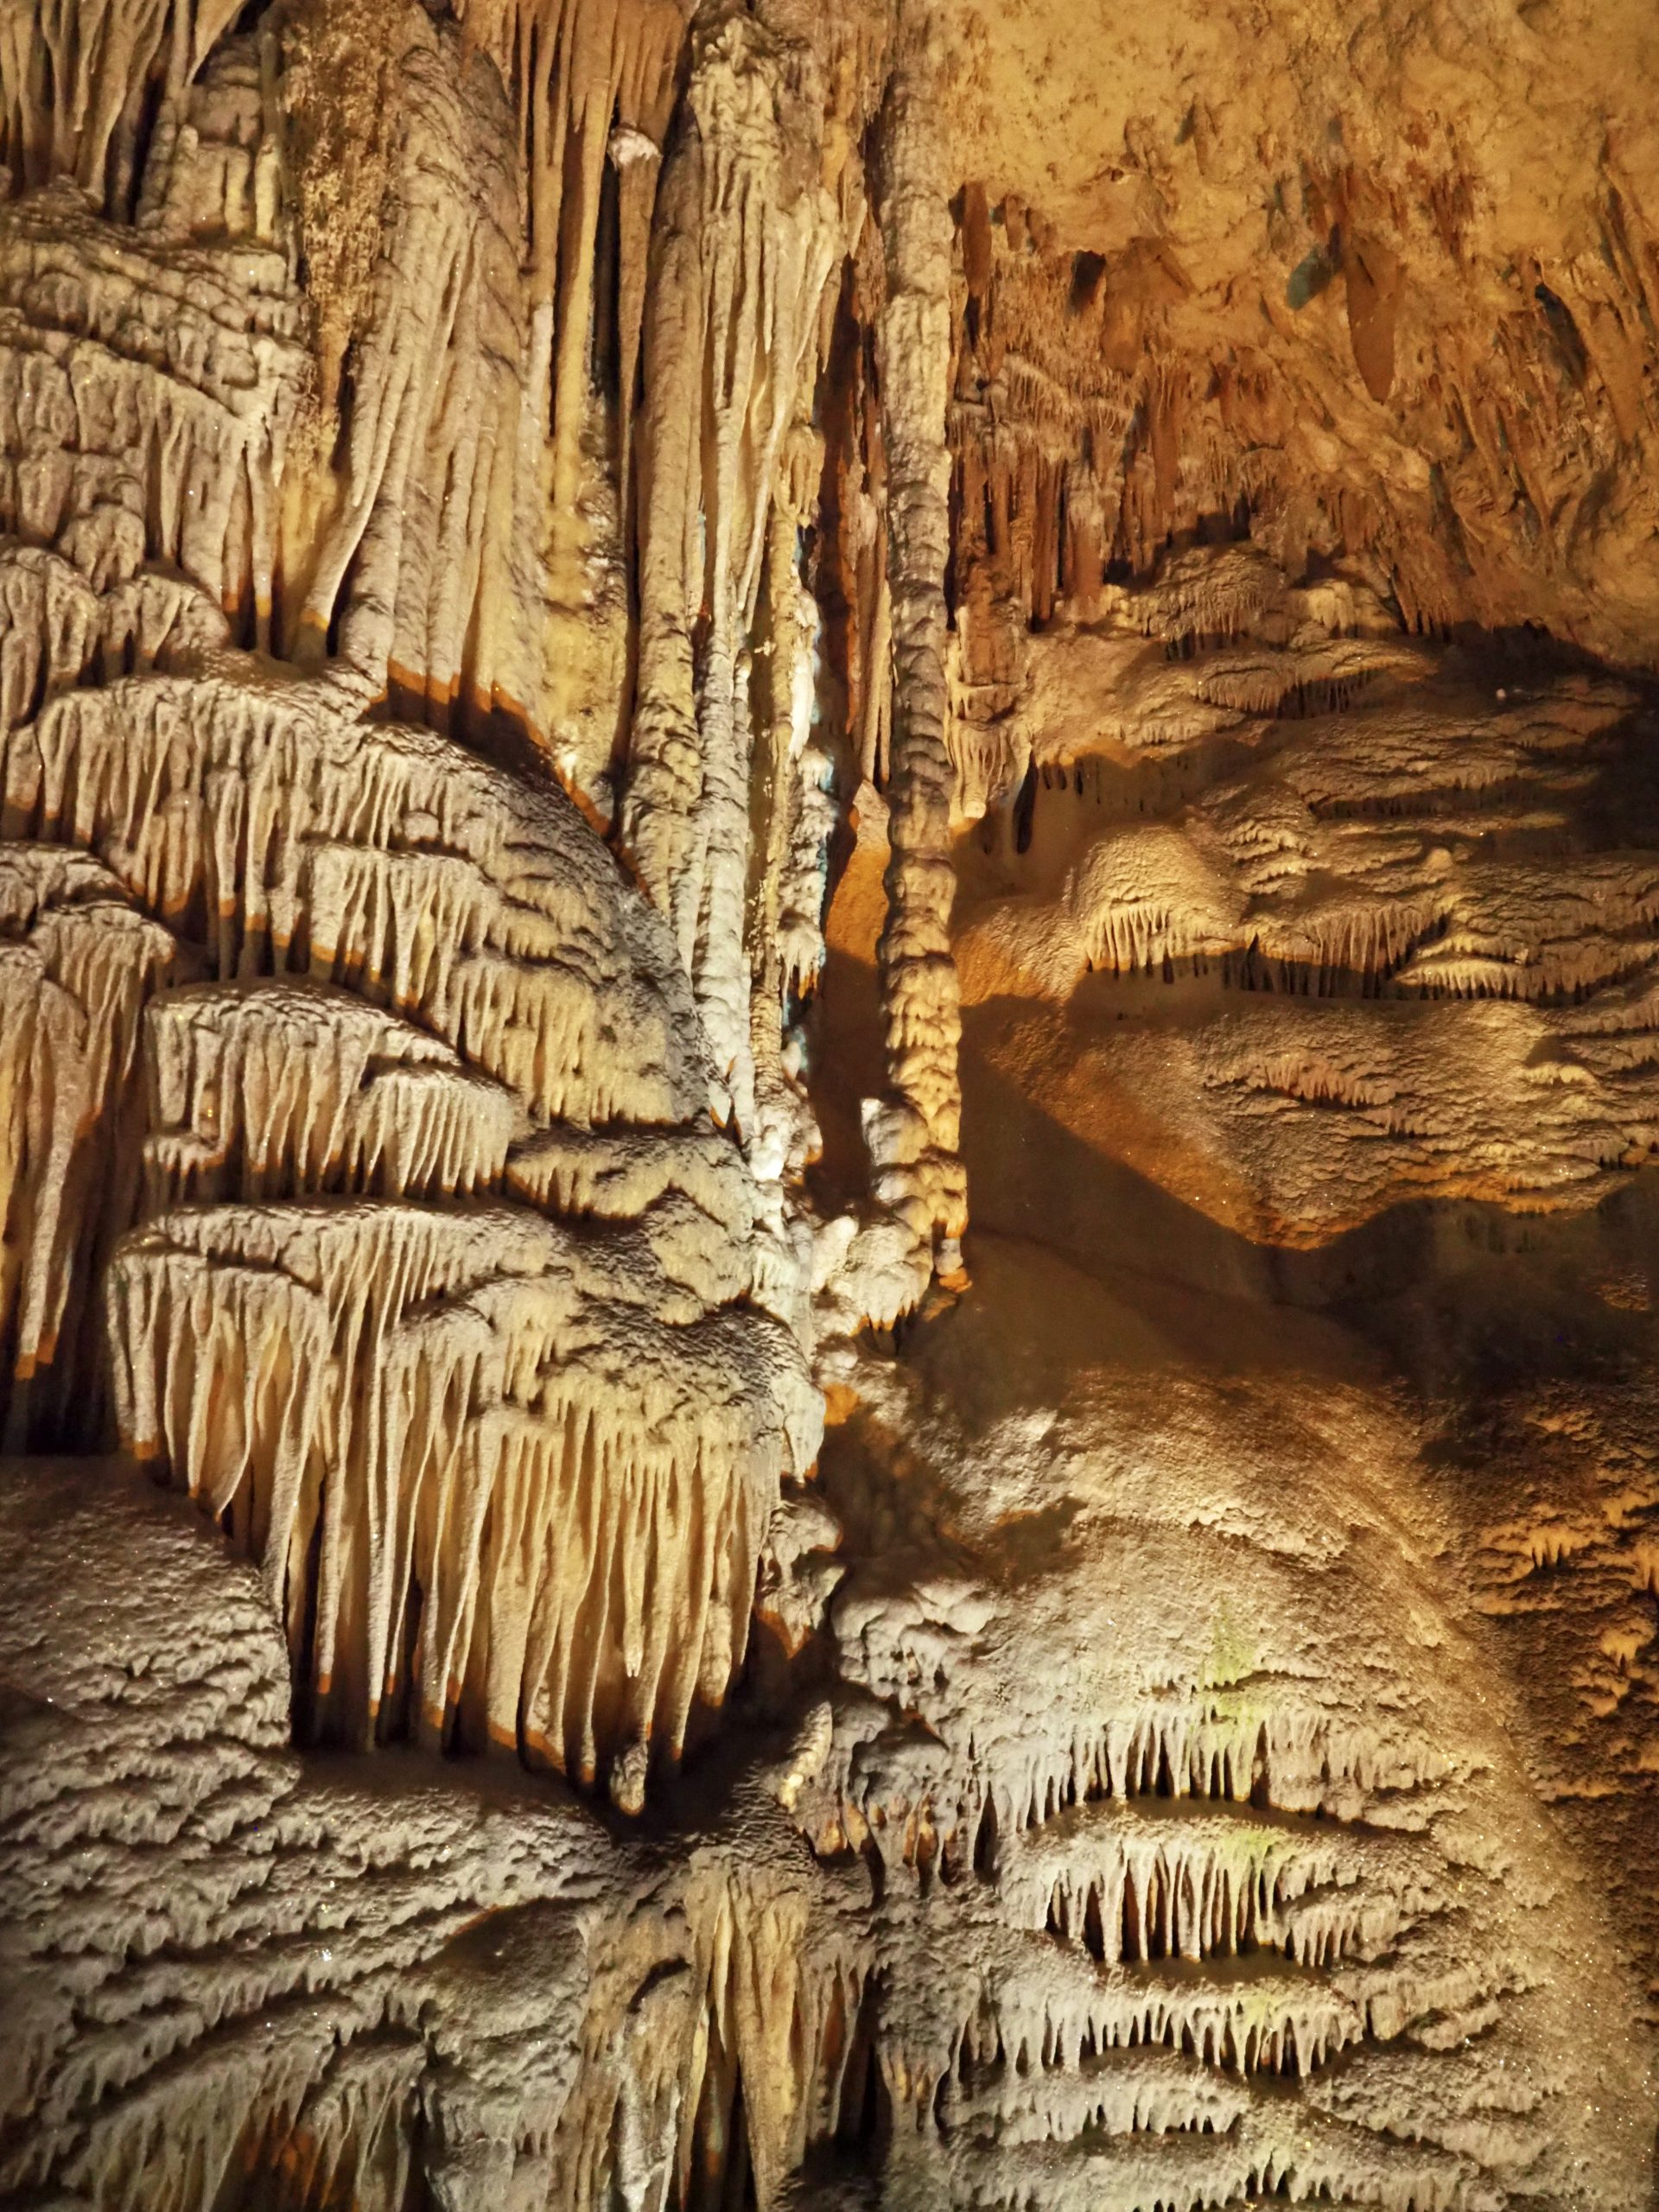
column 829, row 946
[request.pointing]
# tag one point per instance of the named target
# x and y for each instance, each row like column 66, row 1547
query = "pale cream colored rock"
column 633, row 634
column 76, row 964
column 1162, row 1843
column 295, row 1088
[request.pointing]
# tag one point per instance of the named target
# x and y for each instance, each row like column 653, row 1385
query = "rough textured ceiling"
column 1087, row 114
column 1426, row 230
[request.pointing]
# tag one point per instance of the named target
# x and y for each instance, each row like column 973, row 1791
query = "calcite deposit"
column 828, row 1105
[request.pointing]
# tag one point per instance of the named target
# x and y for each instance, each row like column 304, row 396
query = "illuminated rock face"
column 655, row 661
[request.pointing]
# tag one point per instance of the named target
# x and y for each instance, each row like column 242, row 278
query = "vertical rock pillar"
column 917, row 1140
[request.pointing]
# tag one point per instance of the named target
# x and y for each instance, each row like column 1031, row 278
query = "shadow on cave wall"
column 1523, row 1347
column 1031, row 1176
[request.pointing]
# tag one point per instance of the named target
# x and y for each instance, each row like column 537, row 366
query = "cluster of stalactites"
column 504, row 1481
column 255, row 1093
column 302, row 195
column 535, row 1512
column 380, row 857
column 76, row 75
column 594, row 82
column 927, row 1811
column 413, row 558
column 726, row 811
column 506, row 1484
column 76, row 964
column 1103, row 409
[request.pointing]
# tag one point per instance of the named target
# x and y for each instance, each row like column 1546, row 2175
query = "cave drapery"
column 829, row 956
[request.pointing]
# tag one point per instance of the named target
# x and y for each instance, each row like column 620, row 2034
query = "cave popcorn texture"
column 829, row 1061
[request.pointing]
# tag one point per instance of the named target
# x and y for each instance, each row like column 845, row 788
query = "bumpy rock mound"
column 295, row 1987
column 1213, row 1870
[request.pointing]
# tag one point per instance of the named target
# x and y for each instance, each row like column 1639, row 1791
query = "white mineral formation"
column 644, row 644
column 76, row 964
column 301, row 1088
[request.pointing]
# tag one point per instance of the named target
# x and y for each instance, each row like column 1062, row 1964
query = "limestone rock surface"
column 828, row 1105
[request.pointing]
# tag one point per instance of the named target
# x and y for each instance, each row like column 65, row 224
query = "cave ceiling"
column 1342, row 280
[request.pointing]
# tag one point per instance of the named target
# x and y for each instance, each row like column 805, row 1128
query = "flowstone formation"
column 830, row 1072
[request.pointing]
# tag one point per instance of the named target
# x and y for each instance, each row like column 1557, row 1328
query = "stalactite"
column 777, row 2006
column 750, row 231
column 919, row 1158
column 528, row 1522
column 76, row 963
column 793, row 818
column 76, row 73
